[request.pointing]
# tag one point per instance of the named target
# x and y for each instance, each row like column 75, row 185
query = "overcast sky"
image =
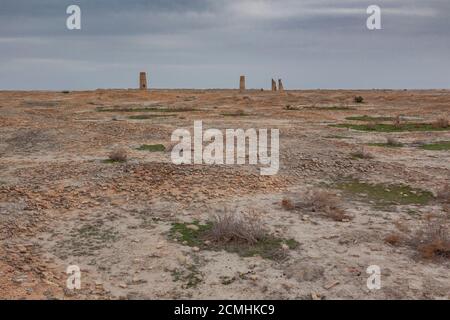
column 209, row 43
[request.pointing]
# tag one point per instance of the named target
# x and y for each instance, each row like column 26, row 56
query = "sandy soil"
column 61, row 204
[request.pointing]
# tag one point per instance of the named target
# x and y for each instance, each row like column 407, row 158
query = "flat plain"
column 361, row 183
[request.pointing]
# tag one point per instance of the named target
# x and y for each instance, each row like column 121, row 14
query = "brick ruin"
column 143, row 81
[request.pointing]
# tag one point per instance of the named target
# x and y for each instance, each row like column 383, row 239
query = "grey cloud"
column 310, row 43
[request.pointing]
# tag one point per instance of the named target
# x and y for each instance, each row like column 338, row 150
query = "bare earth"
column 61, row 204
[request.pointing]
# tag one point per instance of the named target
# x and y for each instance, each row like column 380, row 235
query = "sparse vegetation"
column 118, row 155
column 391, row 142
column 241, row 233
column 443, row 194
column 393, row 239
column 144, row 109
column 361, row 154
column 152, row 147
column 287, row 204
column 369, row 118
column 320, row 201
column 235, row 227
column 331, row 108
column 358, row 99
column 385, row 194
column 437, row 146
column 441, row 123
column 383, row 127
column 327, row 203
column 237, row 113
column 433, row 240
column 150, row 116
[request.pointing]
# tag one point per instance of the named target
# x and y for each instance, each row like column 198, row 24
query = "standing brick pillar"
column 242, row 83
column 280, row 85
column 274, row 85
column 143, row 81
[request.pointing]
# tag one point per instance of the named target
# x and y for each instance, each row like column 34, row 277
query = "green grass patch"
column 384, row 194
column 268, row 248
column 338, row 137
column 437, row 146
column 149, row 116
column 332, row 108
column 379, row 127
column 111, row 161
column 369, row 118
column 152, row 148
column 144, row 109
column 386, row 145
column 235, row 114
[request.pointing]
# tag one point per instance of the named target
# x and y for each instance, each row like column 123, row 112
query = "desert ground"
column 362, row 182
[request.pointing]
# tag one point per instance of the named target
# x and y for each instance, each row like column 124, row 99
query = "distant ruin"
column 280, row 85
column 274, row 85
column 143, row 81
column 242, row 83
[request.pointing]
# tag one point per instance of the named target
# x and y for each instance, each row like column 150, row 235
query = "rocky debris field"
column 362, row 182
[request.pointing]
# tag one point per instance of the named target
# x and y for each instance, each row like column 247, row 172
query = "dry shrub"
column 398, row 122
column 118, row 155
column 372, row 125
column 287, row 204
column 391, row 141
column 402, row 227
column 446, row 208
column 443, row 195
column 362, row 154
column 441, row 123
column 433, row 241
column 242, row 227
column 393, row 239
column 327, row 203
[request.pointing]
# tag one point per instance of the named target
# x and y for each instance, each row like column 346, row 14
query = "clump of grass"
column 149, row 116
column 152, row 148
column 327, row 203
column 320, row 201
column 289, row 107
column 441, row 123
column 237, row 113
column 358, row 99
column 386, row 194
column 391, row 142
column 236, row 227
column 398, row 122
column 367, row 118
column 144, row 109
column 241, row 233
column 437, row 146
column 361, row 154
column 118, row 155
column 393, row 239
column 331, row 108
column 287, row 204
column 443, row 195
column 384, row 127
column 433, row 240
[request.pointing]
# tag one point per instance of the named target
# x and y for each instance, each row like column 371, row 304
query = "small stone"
column 192, row 227
column 331, row 284
column 195, row 249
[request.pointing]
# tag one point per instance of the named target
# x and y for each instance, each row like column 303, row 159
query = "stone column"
column 143, row 81
column 280, row 85
column 274, row 85
column 242, row 83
